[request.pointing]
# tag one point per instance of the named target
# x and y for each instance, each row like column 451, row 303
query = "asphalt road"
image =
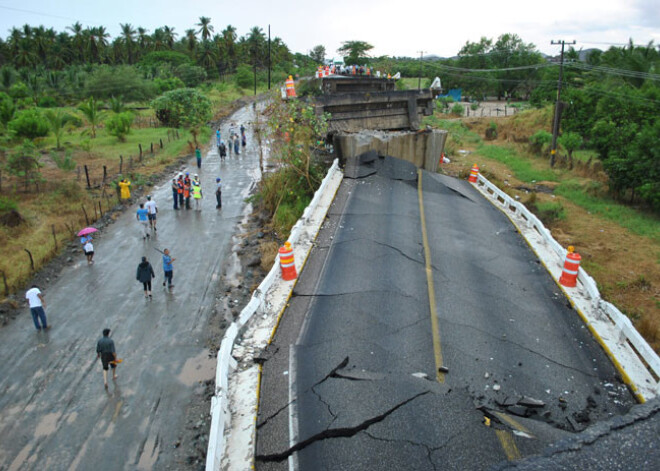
column 54, row 411
column 352, row 379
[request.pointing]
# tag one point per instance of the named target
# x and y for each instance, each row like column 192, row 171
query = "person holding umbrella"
column 86, row 241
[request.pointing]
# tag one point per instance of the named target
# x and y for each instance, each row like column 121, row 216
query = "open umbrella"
column 87, row 230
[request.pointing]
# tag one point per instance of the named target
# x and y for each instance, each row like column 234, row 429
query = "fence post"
column 121, row 163
column 152, row 148
column 86, row 217
column 31, row 259
column 100, row 208
column 52, row 227
column 177, row 135
column 161, row 143
column 168, row 135
column 4, row 280
column 105, row 174
column 87, row 176
column 140, row 147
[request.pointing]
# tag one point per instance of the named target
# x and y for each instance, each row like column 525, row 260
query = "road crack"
column 340, row 432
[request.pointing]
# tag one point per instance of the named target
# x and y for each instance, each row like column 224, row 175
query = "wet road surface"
column 54, row 411
column 352, row 378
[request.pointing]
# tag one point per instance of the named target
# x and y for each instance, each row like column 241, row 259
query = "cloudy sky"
column 393, row 27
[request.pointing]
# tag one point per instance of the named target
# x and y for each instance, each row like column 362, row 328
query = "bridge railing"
column 603, row 310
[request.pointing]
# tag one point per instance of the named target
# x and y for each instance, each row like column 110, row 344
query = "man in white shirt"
column 37, row 303
column 150, row 206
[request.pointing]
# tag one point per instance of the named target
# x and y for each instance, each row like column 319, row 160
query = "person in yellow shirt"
column 124, row 189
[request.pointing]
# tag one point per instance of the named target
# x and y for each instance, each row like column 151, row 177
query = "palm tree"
column 158, row 40
column 169, row 36
column 191, row 41
column 92, row 111
column 56, row 121
column 142, row 40
column 205, row 27
column 128, row 35
column 229, row 37
column 78, row 42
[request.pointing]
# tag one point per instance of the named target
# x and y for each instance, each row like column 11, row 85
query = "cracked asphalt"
column 349, row 381
column 54, row 411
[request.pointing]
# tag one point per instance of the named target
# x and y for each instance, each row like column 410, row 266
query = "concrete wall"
column 423, row 148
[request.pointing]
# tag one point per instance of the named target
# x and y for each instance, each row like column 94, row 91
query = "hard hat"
column 217, row 179
column 196, row 176
column 187, row 174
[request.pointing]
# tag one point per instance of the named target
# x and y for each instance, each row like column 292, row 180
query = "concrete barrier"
column 269, row 297
column 636, row 361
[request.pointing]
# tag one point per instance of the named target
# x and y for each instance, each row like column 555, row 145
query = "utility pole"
column 421, row 69
column 555, row 123
column 268, row 57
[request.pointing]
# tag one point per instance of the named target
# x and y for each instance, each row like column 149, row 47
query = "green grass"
column 585, row 155
column 635, row 221
column 521, row 167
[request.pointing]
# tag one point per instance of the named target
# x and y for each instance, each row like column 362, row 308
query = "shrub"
column 458, row 109
column 19, row 90
column 47, row 102
column 125, row 80
column 119, row 125
column 29, row 123
column 166, row 84
column 63, row 162
column 6, row 108
column 191, row 75
column 7, row 204
column 539, row 140
column 244, row 76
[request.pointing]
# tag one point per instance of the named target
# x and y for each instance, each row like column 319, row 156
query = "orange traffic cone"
column 474, row 174
column 287, row 263
column 569, row 273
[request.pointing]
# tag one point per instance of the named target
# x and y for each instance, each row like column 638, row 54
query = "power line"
column 48, row 15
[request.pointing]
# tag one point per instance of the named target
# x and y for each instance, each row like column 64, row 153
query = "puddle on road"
column 199, row 368
column 149, row 454
column 22, row 458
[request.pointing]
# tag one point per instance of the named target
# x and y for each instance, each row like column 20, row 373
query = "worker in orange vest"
column 186, row 189
column 179, row 183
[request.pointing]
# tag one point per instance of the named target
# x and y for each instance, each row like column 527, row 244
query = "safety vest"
column 197, row 191
column 179, row 185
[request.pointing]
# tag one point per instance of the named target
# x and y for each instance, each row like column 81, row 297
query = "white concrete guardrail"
column 636, row 361
column 234, row 405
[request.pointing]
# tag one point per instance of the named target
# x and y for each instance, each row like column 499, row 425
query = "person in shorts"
column 105, row 350
column 150, row 206
column 142, row 216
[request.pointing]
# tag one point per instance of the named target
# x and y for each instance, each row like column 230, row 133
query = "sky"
column 394, row 28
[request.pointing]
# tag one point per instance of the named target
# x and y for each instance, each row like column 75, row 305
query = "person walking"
column 124, row 190
column 142, row 216
column 145, row 273
column 168, row 269
column 222, row 149
column 37, row 304
column 237, row 144
column 152, row 209
column 197, row 194
column 105, row 350
column 230, row 143
column 198, row 156
column 89, row 252
column 218, row 138
column 175, row 193
column 243, row 137
column 218, row 193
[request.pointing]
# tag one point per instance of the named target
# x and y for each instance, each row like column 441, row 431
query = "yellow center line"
column 508, row 444
column 437, row 349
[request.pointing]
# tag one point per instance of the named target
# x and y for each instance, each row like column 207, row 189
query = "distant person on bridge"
column 150, row 206
column 105, row 350
column 142, row 216
column 145, row 273
column 168, row 269
column 37, row 304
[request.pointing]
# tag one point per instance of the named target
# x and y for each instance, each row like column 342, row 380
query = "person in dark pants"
column 198, row 156
column 175, row 193
column 37, row 304
column 105, row 350
column 167, row 268
column 218, row 193
column 145, row 273
column 180, row 186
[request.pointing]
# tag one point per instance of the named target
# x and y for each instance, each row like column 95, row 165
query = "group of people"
column 145, row 273
column 183, row 188
column 235, row 142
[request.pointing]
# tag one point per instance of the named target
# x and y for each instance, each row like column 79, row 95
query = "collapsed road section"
column 351, row 379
